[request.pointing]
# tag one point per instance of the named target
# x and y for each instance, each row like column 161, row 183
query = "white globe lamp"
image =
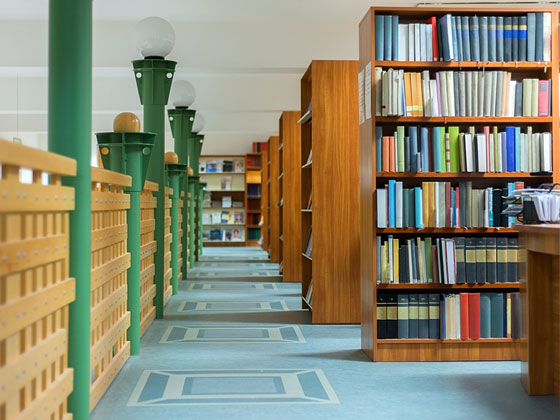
column 154, row 37
column 182, row 94
column 198, row 123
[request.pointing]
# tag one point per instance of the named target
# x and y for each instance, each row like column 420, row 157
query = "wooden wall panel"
column 148, row 247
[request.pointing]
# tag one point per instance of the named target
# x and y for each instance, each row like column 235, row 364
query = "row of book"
column 465, row 38
column 222, row 165
column 224, row 235
column 439, row 205
column 223, row 217
column 459, row 94
column 457, row 260
column 436, row 149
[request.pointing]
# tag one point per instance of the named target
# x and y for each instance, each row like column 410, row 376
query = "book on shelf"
column 458, row 260
column 465, row 38
column 460, row 94
column 202, row 168
column 227, row 166
column 462, row 316
column 309, row 247
column 239, row 166
column 441, row 205
column 226, row 201
column 226, row 183
column 307, row 114
column 451, row 149
column 309, row 294
column 212, row 166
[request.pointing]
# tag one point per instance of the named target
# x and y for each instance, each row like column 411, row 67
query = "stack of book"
column 456, row 260
column 436, row 149
column 465, row 38
column 439, row 205
column 464, row 316
column 459, row 94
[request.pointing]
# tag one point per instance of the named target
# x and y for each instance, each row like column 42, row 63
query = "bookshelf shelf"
column 439, row 286
column 203, row 174
column 371, row 180
column 470, row 175
column 332, row 88
column 224, row 208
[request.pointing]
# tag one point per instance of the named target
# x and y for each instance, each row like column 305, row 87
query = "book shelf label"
column 368, row 91
column 361, row 96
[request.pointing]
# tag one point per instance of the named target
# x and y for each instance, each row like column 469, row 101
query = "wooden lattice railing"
column 148, row 246
column 35, row 287
column 168, row 272
column 180, row 229
column 109, row 263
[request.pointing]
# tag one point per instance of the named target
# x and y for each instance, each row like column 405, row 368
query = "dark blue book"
column 522, row 40
column 395, row 37
column 406, row 210
column 491, row 38
column 433, row 315
column 502, row 259
column 392, row 316
column 414, row 251
column 457, row 29
column 497, row 315
column 470, row 260
column 518, row 99
column 460, row 260
column 379, row 37
column 539, row 36
column 454, row 38
column 491, row 257
column 381, row 316
column 483, row 37
column 531, row 35
column 402, row 316
column 412, row 316
column 500, row 38
column 446, row 37
column 388, row 37
column 378, row 148
column 413, row 135
column 508, row 38
column 485, row 315
column 466, row 38
column 515, row 39
column 423, row 316
column 475, row 41
column 510, row 152
column 480, row 244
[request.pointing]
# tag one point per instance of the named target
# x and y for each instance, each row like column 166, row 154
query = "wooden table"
column 540, row 306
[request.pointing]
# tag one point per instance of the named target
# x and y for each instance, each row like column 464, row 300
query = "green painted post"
column 193, row 182
column 198, row 142
column 181, row 121
column 70, row 60
column 175, row 174
column 153, row 80
column 129, row 153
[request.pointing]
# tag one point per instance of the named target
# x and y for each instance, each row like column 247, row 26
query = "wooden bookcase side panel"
column 264, row 199
column 274, row 198
column 403, row 350
column 291, row 193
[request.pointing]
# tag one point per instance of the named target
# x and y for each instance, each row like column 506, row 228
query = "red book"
column 474, row 316
column 432, row 21
column 544, row 86
column 391, row 154
column 435, row 264
column 464, row 297
column 385, row 162
column 448, row 204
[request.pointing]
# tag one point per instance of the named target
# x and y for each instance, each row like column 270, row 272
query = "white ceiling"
column 244, row 57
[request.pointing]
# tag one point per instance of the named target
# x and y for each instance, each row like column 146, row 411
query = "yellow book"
column 431, row 205
column 396, row 260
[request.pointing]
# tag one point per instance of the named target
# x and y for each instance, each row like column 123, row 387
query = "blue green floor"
column 235, row 344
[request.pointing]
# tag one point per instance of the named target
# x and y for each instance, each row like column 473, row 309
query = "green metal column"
column 129, row 153
column 153, row 80
column 197, row 145
column 193, row 182
column 181, row 121
column 70, row 52
column 175, row 173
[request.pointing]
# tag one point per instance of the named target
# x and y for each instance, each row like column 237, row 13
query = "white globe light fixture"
column 182, row 94
column 154, row 37
column 198, row 123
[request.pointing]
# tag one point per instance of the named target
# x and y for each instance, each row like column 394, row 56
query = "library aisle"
column 235, row 345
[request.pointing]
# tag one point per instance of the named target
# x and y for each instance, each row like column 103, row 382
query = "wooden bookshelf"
column 280, row 203
column 215, row 191
column 290, row 139
column 333, row 180
column 253, row 197
column 264, row 200
column 439, row 349
column 274, row 198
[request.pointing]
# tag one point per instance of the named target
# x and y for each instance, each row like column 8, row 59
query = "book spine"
column 531, row 36
column 434, row 315
column 423, row 316
column 388, row 37
column 483, row 37
column 512, row 264
column 474, row 316
column 497, row 315
column 515, row 39
column 475, row 42
column 539, row 36
column 379, row 38
column 470, row 260
column 485, row 315
column 395, row 37
column 413, row 316
column 522, row 39
column 501, row 38
column 402, row 315
column 492, row 47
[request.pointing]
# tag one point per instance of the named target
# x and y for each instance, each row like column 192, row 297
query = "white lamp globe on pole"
column 154, row 37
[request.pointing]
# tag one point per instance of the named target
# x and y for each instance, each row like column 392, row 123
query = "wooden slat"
column 148, row 204
column 99, row 311
column 148, row 225
column 109, row 373
column 16, row 315
column 167, row 295
column 102, row 238
column 147, row 273
column 104, row 345
column 108, row 201
column 151, row 186
column 22, row 255
column 168, row 238
column 16, row 197
column 21, row 371
column 168, row 274
column 49, row 401
column 167, row 259
column 106, row 272
column 148, row 319
column 28, row 157
column 109, row 177
column 148, row 296
column 148, row 249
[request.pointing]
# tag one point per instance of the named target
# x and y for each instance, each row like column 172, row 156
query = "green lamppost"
column 181, row 120
column 198, row 142
column 193, row 154
column 175, row 174
column 128, row 151
column 192, row 184
column 155, row 39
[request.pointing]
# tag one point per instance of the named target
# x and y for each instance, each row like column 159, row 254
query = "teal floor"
column 235, row 344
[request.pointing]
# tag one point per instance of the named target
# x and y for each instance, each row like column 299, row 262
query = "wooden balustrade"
column 35, row 287
column 148, row 204
column 168, row 272
column 180, row 274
